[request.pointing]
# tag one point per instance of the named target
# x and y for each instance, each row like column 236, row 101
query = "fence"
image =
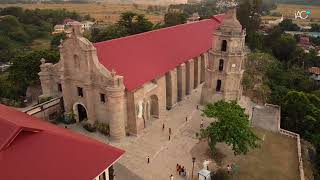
column 296, row 136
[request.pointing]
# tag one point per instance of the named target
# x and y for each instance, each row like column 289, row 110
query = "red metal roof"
column 143, row 57
column 32, row 149
column 314, row 70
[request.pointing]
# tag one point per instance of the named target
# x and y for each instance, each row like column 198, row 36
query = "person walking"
column 186, row 118
column 170, row 131
column 163, row 127
column 229, row 169
column 171, row 177
column 177, row 168
column 148, row 159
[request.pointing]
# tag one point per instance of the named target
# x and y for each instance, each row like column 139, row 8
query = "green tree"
column 26, row 66
column 174, row 18
column 284, row 47
column 288, row 25
column 56, row 40
column 232, row 127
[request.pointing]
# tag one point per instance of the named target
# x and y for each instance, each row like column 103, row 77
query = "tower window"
column 80, row 91
column 224, row 45
column 218, row 88
column 103, row 98
column 59, row 87
column 221, row 62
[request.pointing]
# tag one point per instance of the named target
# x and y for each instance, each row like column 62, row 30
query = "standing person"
column 171, row 177
column 177, row 168
column 182, row 171
column 148, row 159
column 163, row 127
column 186, row 118
column 201, row 124
column 229, row 169
column 169, row 137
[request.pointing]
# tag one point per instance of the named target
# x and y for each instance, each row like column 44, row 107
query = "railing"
column 296, row 136
column 43, row 106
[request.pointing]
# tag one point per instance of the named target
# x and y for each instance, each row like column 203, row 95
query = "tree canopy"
column 232, row 127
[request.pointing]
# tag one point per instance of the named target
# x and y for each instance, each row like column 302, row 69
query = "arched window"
column 218, row 87
column 224, row 45
column 76, row 62
column 221, row 62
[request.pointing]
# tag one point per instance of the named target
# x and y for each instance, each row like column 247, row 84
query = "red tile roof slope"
column 143, row 57
column 314, row 70
column 32, row 149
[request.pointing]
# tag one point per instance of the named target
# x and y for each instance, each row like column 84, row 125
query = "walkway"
column 153, row 142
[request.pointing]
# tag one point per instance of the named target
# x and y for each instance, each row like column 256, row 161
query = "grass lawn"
column 276, row 159
column 41, row 44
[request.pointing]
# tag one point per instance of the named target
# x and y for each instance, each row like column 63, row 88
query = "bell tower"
column 224, row 71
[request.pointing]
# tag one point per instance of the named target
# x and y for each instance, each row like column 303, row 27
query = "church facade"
column 129, row 81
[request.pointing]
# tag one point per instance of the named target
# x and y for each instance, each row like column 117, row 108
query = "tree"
column 232, row 127
column 288, row 25
column 174, row 18
column 25, row 68
column 249, row 12
column 56, row 40
column 284, row 47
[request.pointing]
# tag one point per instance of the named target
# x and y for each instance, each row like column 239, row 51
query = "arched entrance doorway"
column 80, row 112
column 154, row 109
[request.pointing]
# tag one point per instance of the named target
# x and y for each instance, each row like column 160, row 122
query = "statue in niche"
column 140, row 109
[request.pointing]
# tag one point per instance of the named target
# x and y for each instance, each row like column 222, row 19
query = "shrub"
column 103, row 128
column 44, row 99
column 221, row 174
column 89, row 127
column 69, row 119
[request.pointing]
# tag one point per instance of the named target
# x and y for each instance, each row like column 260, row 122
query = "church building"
column 128, row 81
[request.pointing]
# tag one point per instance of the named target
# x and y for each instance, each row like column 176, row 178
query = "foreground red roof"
column 31, row 149
column 143, row 57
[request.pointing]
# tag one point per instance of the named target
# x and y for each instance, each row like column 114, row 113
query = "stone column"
column 174, row 86
column 190, row 76
column 171, row 88
column 202, row 68
column 90, row 99
column 181, row 81
column 197, row 71
column 117, row 108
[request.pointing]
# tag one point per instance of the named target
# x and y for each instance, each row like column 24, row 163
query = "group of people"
column 181, row 170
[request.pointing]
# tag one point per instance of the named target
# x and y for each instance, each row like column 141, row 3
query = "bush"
column 44, row 99
column 103, row 128
column 89, row 127
column 221, row 174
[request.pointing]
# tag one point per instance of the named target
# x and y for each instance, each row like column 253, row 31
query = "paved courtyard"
column 153, row 142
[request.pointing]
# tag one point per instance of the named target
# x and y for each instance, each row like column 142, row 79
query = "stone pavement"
column 153, row 142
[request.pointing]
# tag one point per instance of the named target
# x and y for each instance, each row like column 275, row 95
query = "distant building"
column 304, row 43
column 33, row 149
column 87, row 25
column 315, row 73
column 195, row 17
column 4, row 67
column 276, row 22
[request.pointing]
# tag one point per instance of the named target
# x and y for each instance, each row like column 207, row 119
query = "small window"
column 80, row 92
column 221, row 65
column 218, row 88
column 103, row 98
column 224, row 46
column 59, row 87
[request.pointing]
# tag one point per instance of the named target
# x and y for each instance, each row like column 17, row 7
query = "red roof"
column 143, row 57
column 32, row 149
column 314, row 70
